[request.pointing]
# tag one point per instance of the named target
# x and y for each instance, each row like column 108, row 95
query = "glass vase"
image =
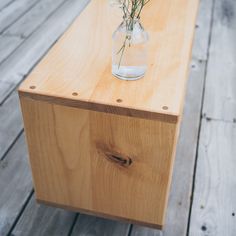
column 129, row 50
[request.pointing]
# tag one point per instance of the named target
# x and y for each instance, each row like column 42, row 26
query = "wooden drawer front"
column 104, row 164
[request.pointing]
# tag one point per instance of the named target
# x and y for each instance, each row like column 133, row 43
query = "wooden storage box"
column 100, row 145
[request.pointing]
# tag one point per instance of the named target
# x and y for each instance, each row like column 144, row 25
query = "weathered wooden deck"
column 203, row 192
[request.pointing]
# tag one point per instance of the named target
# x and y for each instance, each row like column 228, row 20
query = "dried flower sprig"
column 132, row 10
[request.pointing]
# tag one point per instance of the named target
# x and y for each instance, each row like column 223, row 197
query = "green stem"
column 132, row 9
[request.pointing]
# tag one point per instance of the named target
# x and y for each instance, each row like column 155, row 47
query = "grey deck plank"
column 10, row 123
column 8, row 45
column 35, row 219
column 90, row 225
column 182, row 180
column 203, row 27
column 220, row 97
column 38, row 220
column 15, row 185
column 5, row 87
column 18, row 65
column 13, row 11
column 33, row 18
column 4, row 3
column 214, row 202
column 180, row 194
column 143, row 231
column 214, row 205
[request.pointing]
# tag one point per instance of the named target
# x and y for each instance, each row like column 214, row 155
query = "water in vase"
column 129, row 53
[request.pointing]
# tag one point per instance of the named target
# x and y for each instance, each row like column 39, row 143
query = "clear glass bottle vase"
column 129, row 50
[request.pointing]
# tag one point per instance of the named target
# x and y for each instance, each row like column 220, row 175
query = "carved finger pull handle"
column 119, row 159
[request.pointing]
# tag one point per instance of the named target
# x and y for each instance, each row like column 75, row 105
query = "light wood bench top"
column 77, row 70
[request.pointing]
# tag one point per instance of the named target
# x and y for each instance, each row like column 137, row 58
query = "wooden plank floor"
column 203, row 192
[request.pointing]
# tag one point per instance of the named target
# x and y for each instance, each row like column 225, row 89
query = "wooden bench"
column 100, row 145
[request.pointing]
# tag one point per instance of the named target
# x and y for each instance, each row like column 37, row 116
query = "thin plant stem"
column 132, row 10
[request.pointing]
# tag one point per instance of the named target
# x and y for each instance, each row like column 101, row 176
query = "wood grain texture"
column 180, row 193
column 145, row 231
column 90, row 225
column 14, row 11
column 41, row 220
column 4, row 3
column 214, row 205
column 15, row 185
column 5, row 87
column 33, row 18
column 81, row 174
column 203, row 30
column 10, row 123
column 18, row 65
column 171, row 34
column 220, row 102
column 8, row 45
column 175, row 224
column 213, row 210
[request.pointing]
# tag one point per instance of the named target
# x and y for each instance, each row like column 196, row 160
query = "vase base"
column 130, row 73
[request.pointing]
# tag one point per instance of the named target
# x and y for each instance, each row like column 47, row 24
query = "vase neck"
column 131, row 24
column 130, row 19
